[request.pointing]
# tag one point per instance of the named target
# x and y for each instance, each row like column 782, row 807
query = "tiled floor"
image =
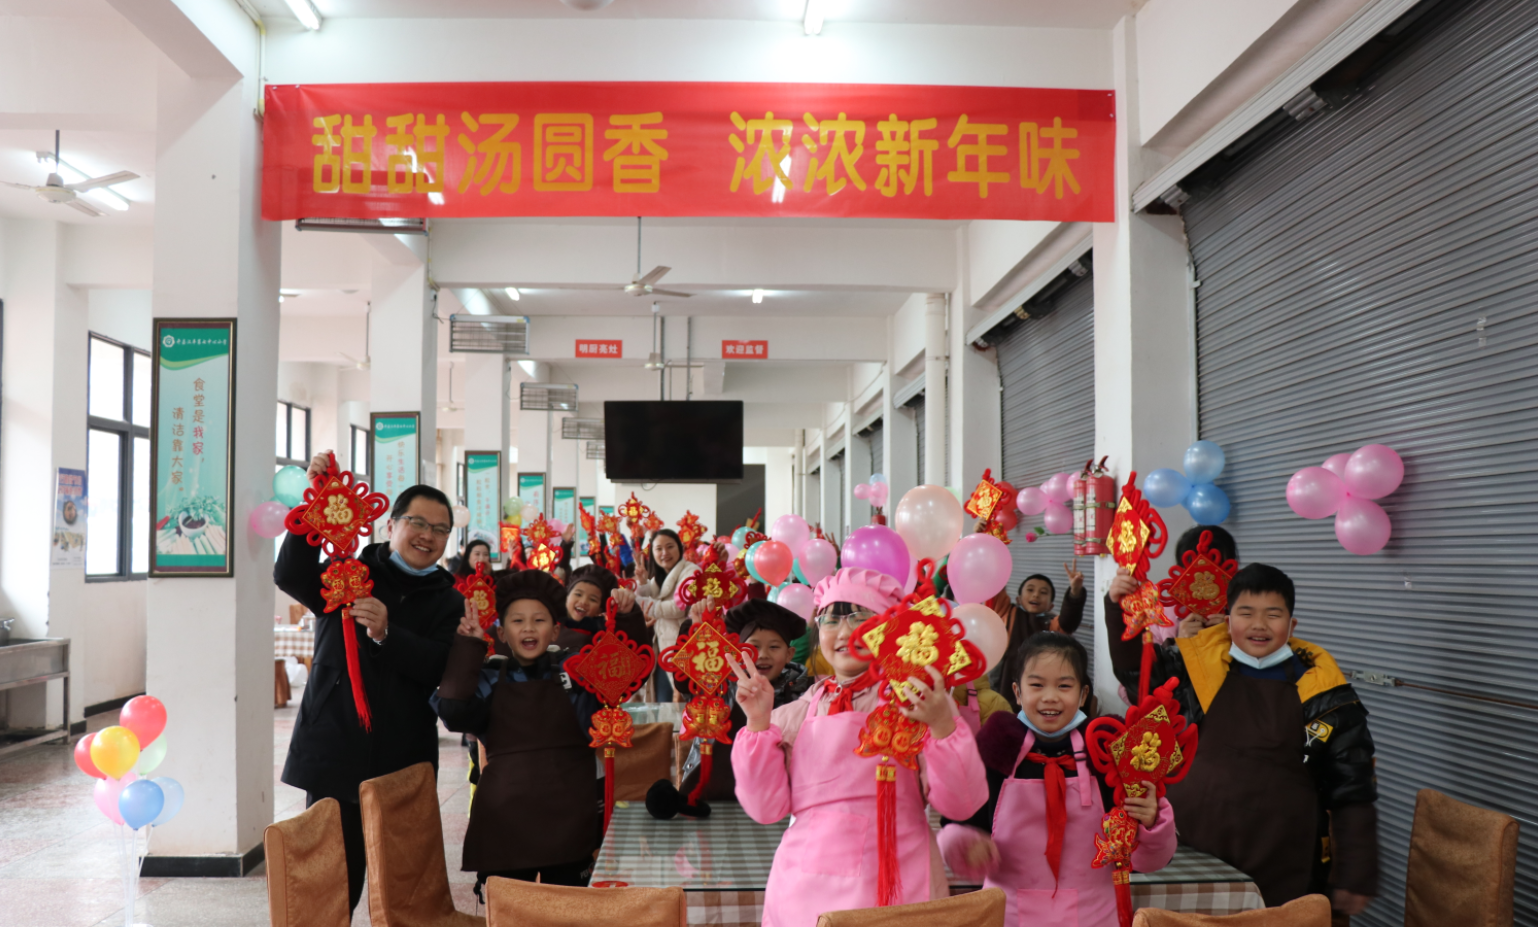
column 61, row 863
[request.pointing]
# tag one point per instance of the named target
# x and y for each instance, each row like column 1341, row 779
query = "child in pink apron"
column 800, row 760
column 1035, row 837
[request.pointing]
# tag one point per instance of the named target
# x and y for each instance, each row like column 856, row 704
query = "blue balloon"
column 174, row 796
column 1166, row 487
column 1204, row 462
column 289, row 484
column 748, row 562
column 878, row 477
column 774, row 594
column 140, row 802
column 1207, row 504
column 740, row 536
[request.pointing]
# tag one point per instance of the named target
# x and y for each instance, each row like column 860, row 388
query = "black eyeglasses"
column 422, row 524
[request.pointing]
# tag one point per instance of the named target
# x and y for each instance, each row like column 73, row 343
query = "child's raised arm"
column 758, row 753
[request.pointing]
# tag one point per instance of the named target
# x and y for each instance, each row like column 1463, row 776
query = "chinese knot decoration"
column 651, row 522
column 545, row 557
column 699, row 657
column 343, row 583
column 1153, row 745
column 904, row 642
column 1137, row 536
column 608, row 524
column 589, row 527
column 1200, row 582
column 714, row 582
column 539, row 531
column 479, row 590
column 613, row 667
column 633, row 510
column 985, row 498
column 690, row 529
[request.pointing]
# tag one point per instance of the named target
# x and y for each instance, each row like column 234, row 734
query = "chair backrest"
column 510, row 903
column 307, row 869
column 647, row 759
column 1463, row 864
column 408, row 878
column 1308, row 911
column 974, row 909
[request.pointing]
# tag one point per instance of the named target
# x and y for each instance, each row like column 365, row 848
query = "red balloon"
column 145, row 716
column 773, row 561
column 83, row 757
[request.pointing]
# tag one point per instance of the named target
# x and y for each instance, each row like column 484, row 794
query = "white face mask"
column 1266, row 662
column 1079, row 718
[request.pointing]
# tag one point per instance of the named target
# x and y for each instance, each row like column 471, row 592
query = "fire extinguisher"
column 1094, row 506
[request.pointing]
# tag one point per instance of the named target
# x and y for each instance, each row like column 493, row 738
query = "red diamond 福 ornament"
column 613, row 667
column 539, row 531
column 545, row 557
column 1137, row 532
column 1141, row 610
column 608, row 524
column 690, row 529
column 1200, row 583
column 652, row 523
column 480, row 591
column 714, row 581
column 700, row 658
column 344, row 582
column 338, row 510
column 985, row 498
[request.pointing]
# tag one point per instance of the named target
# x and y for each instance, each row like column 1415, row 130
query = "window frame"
column 288, row 408
column 354, row 464
column 127, row 433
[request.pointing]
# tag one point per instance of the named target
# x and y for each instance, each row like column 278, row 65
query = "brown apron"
column 535, row 804
column 1249, row 799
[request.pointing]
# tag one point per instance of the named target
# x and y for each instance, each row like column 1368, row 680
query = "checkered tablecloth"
column 722, row 864
column 288, row 640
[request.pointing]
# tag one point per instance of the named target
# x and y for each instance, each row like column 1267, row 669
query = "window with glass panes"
column 118, row 399
column 293, row 435
column 360, row 437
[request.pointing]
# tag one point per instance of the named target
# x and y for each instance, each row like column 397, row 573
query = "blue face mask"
column 1079, row 718
column 400, row 564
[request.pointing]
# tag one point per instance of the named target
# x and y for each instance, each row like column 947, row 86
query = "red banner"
column 687, row 149
column 744, row 350
column 587, row 347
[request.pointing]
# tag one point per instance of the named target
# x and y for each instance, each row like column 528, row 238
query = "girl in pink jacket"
column 800, row 760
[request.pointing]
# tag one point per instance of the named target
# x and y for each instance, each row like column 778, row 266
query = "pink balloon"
column 266, row 520
column 1337, row 464
column 773, row 561
column 1361, row 526
column 1063, row 483
column 1373, row 472
column 792, row 531
column 1031, row 501
column 797, row 598
column 862, row 490
column 879, row 494
column 1049, row 488
column 929, row 520
column 557, row 525
column 1314, row 492
column 1071, row 480
column 818, row 560
column 732, row 550
column 106, row 794
column 979, row 567
column 984, row 629
column 1058, row 519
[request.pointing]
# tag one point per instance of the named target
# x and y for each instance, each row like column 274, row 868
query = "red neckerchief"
column 843, row 696
column 1057, row 805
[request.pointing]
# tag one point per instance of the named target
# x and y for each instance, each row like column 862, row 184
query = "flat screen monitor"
column 672, row 442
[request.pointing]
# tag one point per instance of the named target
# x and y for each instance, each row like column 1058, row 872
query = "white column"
column 488, row 380
column 976, row 430
column 935, row 348
column 1142, row 349
column 403, row 340
column 856, row 471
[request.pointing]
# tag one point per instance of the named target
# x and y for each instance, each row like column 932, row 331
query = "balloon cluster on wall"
column 288, row 486
column 1194, row 489
column 791, row 561
column 1050, row 501
column 1345, row 487
column 876, row 491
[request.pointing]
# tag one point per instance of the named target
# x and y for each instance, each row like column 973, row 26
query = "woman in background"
column 658, row 576
column 477, row 551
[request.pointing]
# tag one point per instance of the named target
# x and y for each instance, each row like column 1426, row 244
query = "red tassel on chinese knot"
column 889, row 882
column 1122, row 879
column 707, row 756
column 354, row 671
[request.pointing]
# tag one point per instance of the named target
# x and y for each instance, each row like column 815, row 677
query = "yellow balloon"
column 115, row 750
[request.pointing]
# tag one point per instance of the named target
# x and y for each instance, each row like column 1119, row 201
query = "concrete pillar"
column 1142, row 346
column 403, row 340
column 488, row 382
column 856, row 471
column 976, row 429
column 935, row 350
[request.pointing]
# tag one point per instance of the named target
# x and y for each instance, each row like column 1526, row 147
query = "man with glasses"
column 403, row 634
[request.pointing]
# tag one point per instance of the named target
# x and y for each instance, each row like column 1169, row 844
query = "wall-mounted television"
column 672, row 442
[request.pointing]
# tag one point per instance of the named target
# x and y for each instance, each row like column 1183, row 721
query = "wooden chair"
column 649, row 758
column 408, row 878
column 974, row 909
column 307, row 869
column 1463, row 865
column 1308, row 911
column 510, row 903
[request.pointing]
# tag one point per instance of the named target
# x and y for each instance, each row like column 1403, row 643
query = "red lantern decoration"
column 1094, row 508
column 700, row 657
column 613, row 667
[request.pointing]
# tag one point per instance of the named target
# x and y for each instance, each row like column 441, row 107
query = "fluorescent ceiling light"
column 758, row 296
column 512, row 293
column 306, row 13
column 811, row 22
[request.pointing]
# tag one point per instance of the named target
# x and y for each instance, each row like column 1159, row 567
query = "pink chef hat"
column 870, row 589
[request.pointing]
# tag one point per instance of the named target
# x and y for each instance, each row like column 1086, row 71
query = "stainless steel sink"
column 31, row 663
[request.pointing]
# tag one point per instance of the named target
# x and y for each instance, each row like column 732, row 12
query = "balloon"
column 1166, row 487
column 740, row 536
column 862, row 490
column 1007, row 518
column 1067, row 487
column 1031, row 501
column 797, row 598
column 929, row 520
column 1337, row 464
column 878, row 477
column 774, row 594
column 558, row 526
column 1208, row 504
column 512, row 506
column 1362, row 526
column 1204, row 462
column 115, row 750
column 1058, row 519
column 792, row 531
column 817, row 561
column 461, row 516
column 732, row 550
column 151, row 756
column 83, row 758
column 748, row 560
column 1049, row 488
column 266, row 520
column 774, row 560
column 289, row 484
column 174, row 796
column 979, row 567
column 1314, row 492
column 140, row 802
column 1373, row 472
column 961, row 497
column 879, row 548
column 984, row 629
column 879, row 494
column 145, row 715
column 106, row 794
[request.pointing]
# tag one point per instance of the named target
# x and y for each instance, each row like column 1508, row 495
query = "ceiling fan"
column 55, row 190
column 643, row 286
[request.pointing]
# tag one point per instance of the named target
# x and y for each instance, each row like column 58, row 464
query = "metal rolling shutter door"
column 1047, row 371
column 877, row 449
column 917, row 405
column 1371, row 275
column 834, row 525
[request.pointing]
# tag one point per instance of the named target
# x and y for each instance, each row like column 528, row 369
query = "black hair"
column 1260, row 578
column 1050, row 585
column 593, row 575
column 1222, row 542
column 761, row 614
column 432, row 493
column 658, row 573
column 531, row 584
column 464, row 568
column 1061, row 644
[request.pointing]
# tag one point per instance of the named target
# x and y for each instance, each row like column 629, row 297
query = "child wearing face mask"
column 1035, row 837
column 799, row 759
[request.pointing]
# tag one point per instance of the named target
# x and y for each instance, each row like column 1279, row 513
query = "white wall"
column 671, row 500
column 778, row 488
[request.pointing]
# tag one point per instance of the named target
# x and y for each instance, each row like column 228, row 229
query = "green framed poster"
column 191, row 434
column 392, row 455
column 531, row 489
column 565, row 505
column 483, row 497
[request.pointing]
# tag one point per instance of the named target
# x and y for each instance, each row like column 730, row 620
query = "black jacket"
column 330, row 754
